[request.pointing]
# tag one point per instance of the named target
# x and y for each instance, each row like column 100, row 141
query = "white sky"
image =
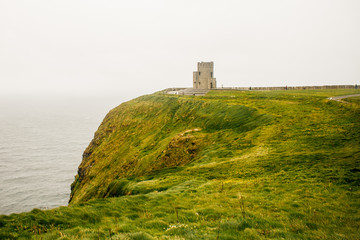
column 88, row 47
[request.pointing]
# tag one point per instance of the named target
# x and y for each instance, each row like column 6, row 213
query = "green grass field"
column 229, row 165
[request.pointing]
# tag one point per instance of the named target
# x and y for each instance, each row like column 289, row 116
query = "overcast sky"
column 87, row 47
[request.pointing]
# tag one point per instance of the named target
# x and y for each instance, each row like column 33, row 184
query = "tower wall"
column 204, row 77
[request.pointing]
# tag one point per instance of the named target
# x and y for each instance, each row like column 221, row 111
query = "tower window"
column 211, row 74
column 199, row 73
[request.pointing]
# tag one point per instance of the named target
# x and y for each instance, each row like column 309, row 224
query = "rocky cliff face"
column 151, row 133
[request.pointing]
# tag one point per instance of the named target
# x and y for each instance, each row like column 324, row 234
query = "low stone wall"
column 171, row 90
column 290, row 87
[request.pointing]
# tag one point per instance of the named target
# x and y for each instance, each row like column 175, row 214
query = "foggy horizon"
column 112, row 48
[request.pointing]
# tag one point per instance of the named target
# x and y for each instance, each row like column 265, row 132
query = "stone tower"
column 204, row 77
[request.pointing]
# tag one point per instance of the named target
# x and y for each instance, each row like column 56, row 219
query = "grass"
column 355, row 100
column 229, row 165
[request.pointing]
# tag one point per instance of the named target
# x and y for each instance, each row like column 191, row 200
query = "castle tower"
column 204, row 77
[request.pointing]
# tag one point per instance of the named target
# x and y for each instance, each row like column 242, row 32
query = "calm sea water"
column 41, row 146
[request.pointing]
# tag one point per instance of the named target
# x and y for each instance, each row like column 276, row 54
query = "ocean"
column 41, row 144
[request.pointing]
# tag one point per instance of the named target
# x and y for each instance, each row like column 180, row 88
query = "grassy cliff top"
column 229, row 165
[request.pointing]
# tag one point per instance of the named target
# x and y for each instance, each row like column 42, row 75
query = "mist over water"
column 41, row 146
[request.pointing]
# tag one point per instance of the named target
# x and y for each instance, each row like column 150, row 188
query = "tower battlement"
column 205, row 65
column 203, row 78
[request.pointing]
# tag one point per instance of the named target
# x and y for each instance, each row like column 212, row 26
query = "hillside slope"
column 229, row 165
column 156, row 132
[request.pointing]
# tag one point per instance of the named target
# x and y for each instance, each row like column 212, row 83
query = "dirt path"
column 338, row 98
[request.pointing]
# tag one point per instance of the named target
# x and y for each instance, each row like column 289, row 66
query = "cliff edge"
column 155, row 132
